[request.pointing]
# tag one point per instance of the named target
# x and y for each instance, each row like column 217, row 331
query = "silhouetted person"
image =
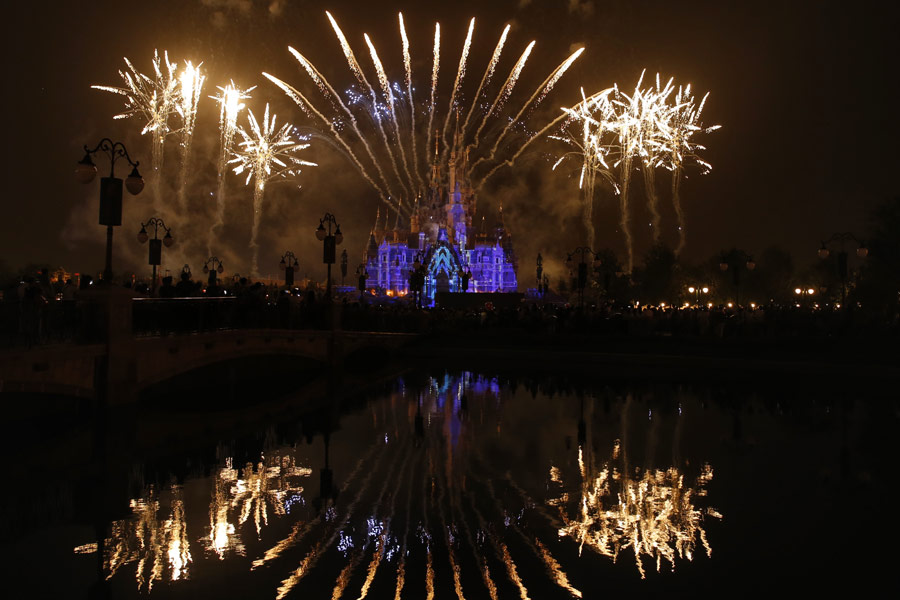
column 185, row 287
column 167, row 290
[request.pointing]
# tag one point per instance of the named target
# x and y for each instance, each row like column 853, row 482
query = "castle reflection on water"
column 452, row 486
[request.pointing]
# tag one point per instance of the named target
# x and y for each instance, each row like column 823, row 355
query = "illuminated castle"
column 442, row 236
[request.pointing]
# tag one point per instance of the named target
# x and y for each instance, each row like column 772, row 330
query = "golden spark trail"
column 542, row 90
column 451, row 555
column 435, row 68
column 501, row 550
column 389, row 98
column 191, row 84
column 305, row 104
column 407, row 66
column 553, row 568
column 154, row 100
column 297, row 534
column 488, row 74
column 312, row 557
column 504, row 92
column 324, row 86
column 266, row 153
column 549, row 127
column 401, row 564
column 361, row 77
column 383, row 538
column 460, row 74
column 347, row 572
column 231, row 104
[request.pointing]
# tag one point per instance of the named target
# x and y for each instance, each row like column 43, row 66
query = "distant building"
column 440, row 232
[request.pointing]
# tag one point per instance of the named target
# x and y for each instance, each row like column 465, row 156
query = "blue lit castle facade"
column 457, row 256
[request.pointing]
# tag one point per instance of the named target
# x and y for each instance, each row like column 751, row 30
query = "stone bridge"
column 125, row 364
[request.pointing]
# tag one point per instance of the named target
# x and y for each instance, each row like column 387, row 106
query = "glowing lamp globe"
column 338, row 236
column 221, row 268
column 134, row 182
column 751, row 265
column 597, row 263
column 691, row 290
column 320, row 232
column 168, row 240
column 142, row 235
column 85, row 170
column 282, row 265
column 205, row 269
column 823, row 252
column 723, row 266
column 862, row 252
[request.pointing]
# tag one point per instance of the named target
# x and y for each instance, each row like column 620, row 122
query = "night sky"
column 806, row 93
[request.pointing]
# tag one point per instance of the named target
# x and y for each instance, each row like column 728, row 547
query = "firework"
column 152, row 99
column 266, row 153
column 190, row 85
column 685, row 123
column 377, row 126
column 231, row 103
column 614, row 134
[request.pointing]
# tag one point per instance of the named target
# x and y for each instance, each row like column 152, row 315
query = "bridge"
column 118, row 360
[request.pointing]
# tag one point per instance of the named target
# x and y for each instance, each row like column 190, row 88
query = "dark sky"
column 806, row 93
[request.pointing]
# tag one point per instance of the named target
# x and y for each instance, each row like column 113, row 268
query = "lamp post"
column 841, row 239
column 733, row 262
column 581, row 281
column 156, row 244
column 110, row 189
column 696, row 291
column 539, row 272
column 289, row 265
column 213, row 267
column 361, row 275
column 330, row 238
column 807, row 291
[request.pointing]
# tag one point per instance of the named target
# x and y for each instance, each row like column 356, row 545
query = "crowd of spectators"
column 40, row 313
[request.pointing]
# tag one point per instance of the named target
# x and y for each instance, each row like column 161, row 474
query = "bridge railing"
column 174, row 316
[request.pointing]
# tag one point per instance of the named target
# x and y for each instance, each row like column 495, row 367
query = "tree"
column 657, row 276
column 879, row 285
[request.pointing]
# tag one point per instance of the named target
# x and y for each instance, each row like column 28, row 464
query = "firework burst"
column 266, row 153
column 614, row 134
column 231, row 102
column 190, row 86
column 372, row 133
column 153, row 99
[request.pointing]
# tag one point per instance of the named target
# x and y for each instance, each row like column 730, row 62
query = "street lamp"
column 581, row 282
column 697, row 290
column 841, row 238
column 361, row 275
column 212, row 269
column 289, row 265
column 110, row 189
column 330, row 238
column 733, row 262
column 155, row 254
